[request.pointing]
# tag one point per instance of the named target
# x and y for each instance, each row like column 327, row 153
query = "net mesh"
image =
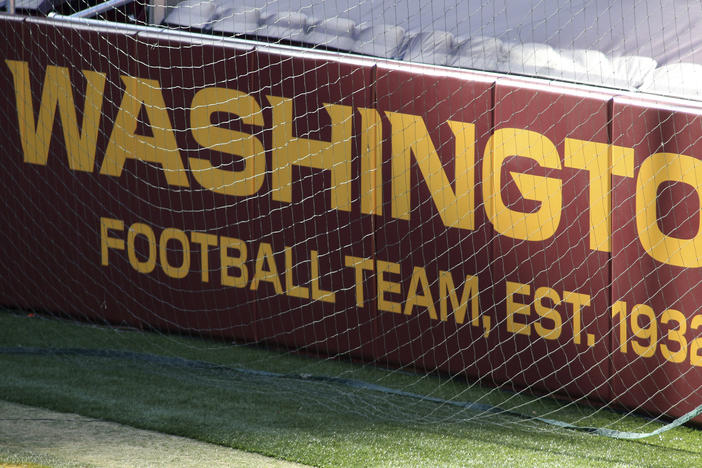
column 336, row 179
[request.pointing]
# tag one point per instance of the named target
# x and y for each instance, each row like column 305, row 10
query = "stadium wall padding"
column 477, row 224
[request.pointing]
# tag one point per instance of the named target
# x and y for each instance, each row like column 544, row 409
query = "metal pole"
column 99, row 8
column 11, row 7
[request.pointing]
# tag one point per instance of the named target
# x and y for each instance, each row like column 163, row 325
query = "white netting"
column 288, row 173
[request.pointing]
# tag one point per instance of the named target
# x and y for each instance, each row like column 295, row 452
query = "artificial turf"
column 313, row 421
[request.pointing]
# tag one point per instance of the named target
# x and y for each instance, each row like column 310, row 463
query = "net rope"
column 480, row 207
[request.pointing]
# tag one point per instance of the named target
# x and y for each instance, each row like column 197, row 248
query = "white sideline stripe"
column 74, row 439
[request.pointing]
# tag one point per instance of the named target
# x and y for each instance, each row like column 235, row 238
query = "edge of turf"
column 354, row 383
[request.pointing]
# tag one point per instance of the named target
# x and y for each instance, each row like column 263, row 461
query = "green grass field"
column 191, row 387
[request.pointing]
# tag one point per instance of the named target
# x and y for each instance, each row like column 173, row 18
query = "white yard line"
column 70, row 439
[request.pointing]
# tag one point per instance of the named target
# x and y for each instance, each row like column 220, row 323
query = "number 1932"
column 644, row 332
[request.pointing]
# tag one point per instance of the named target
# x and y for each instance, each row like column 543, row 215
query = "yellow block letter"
column 149, row 264
column 239, row 262
column 419, row 276
column 238, row 183
column 180, row 237
column 359, row 265
column 269, row 275
column 410, row 136
column 601, row 161
column 317, row 292
column 371, row 162
column 161, row 148
column 655, row 170
column 206, row 241
column 448, row 291
column 542, row 224
column 334, row 156
column 388, row 286
column 107, row 242
column 547, row 313
column 517, row 308
column 57, row 92
column 291, row 288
